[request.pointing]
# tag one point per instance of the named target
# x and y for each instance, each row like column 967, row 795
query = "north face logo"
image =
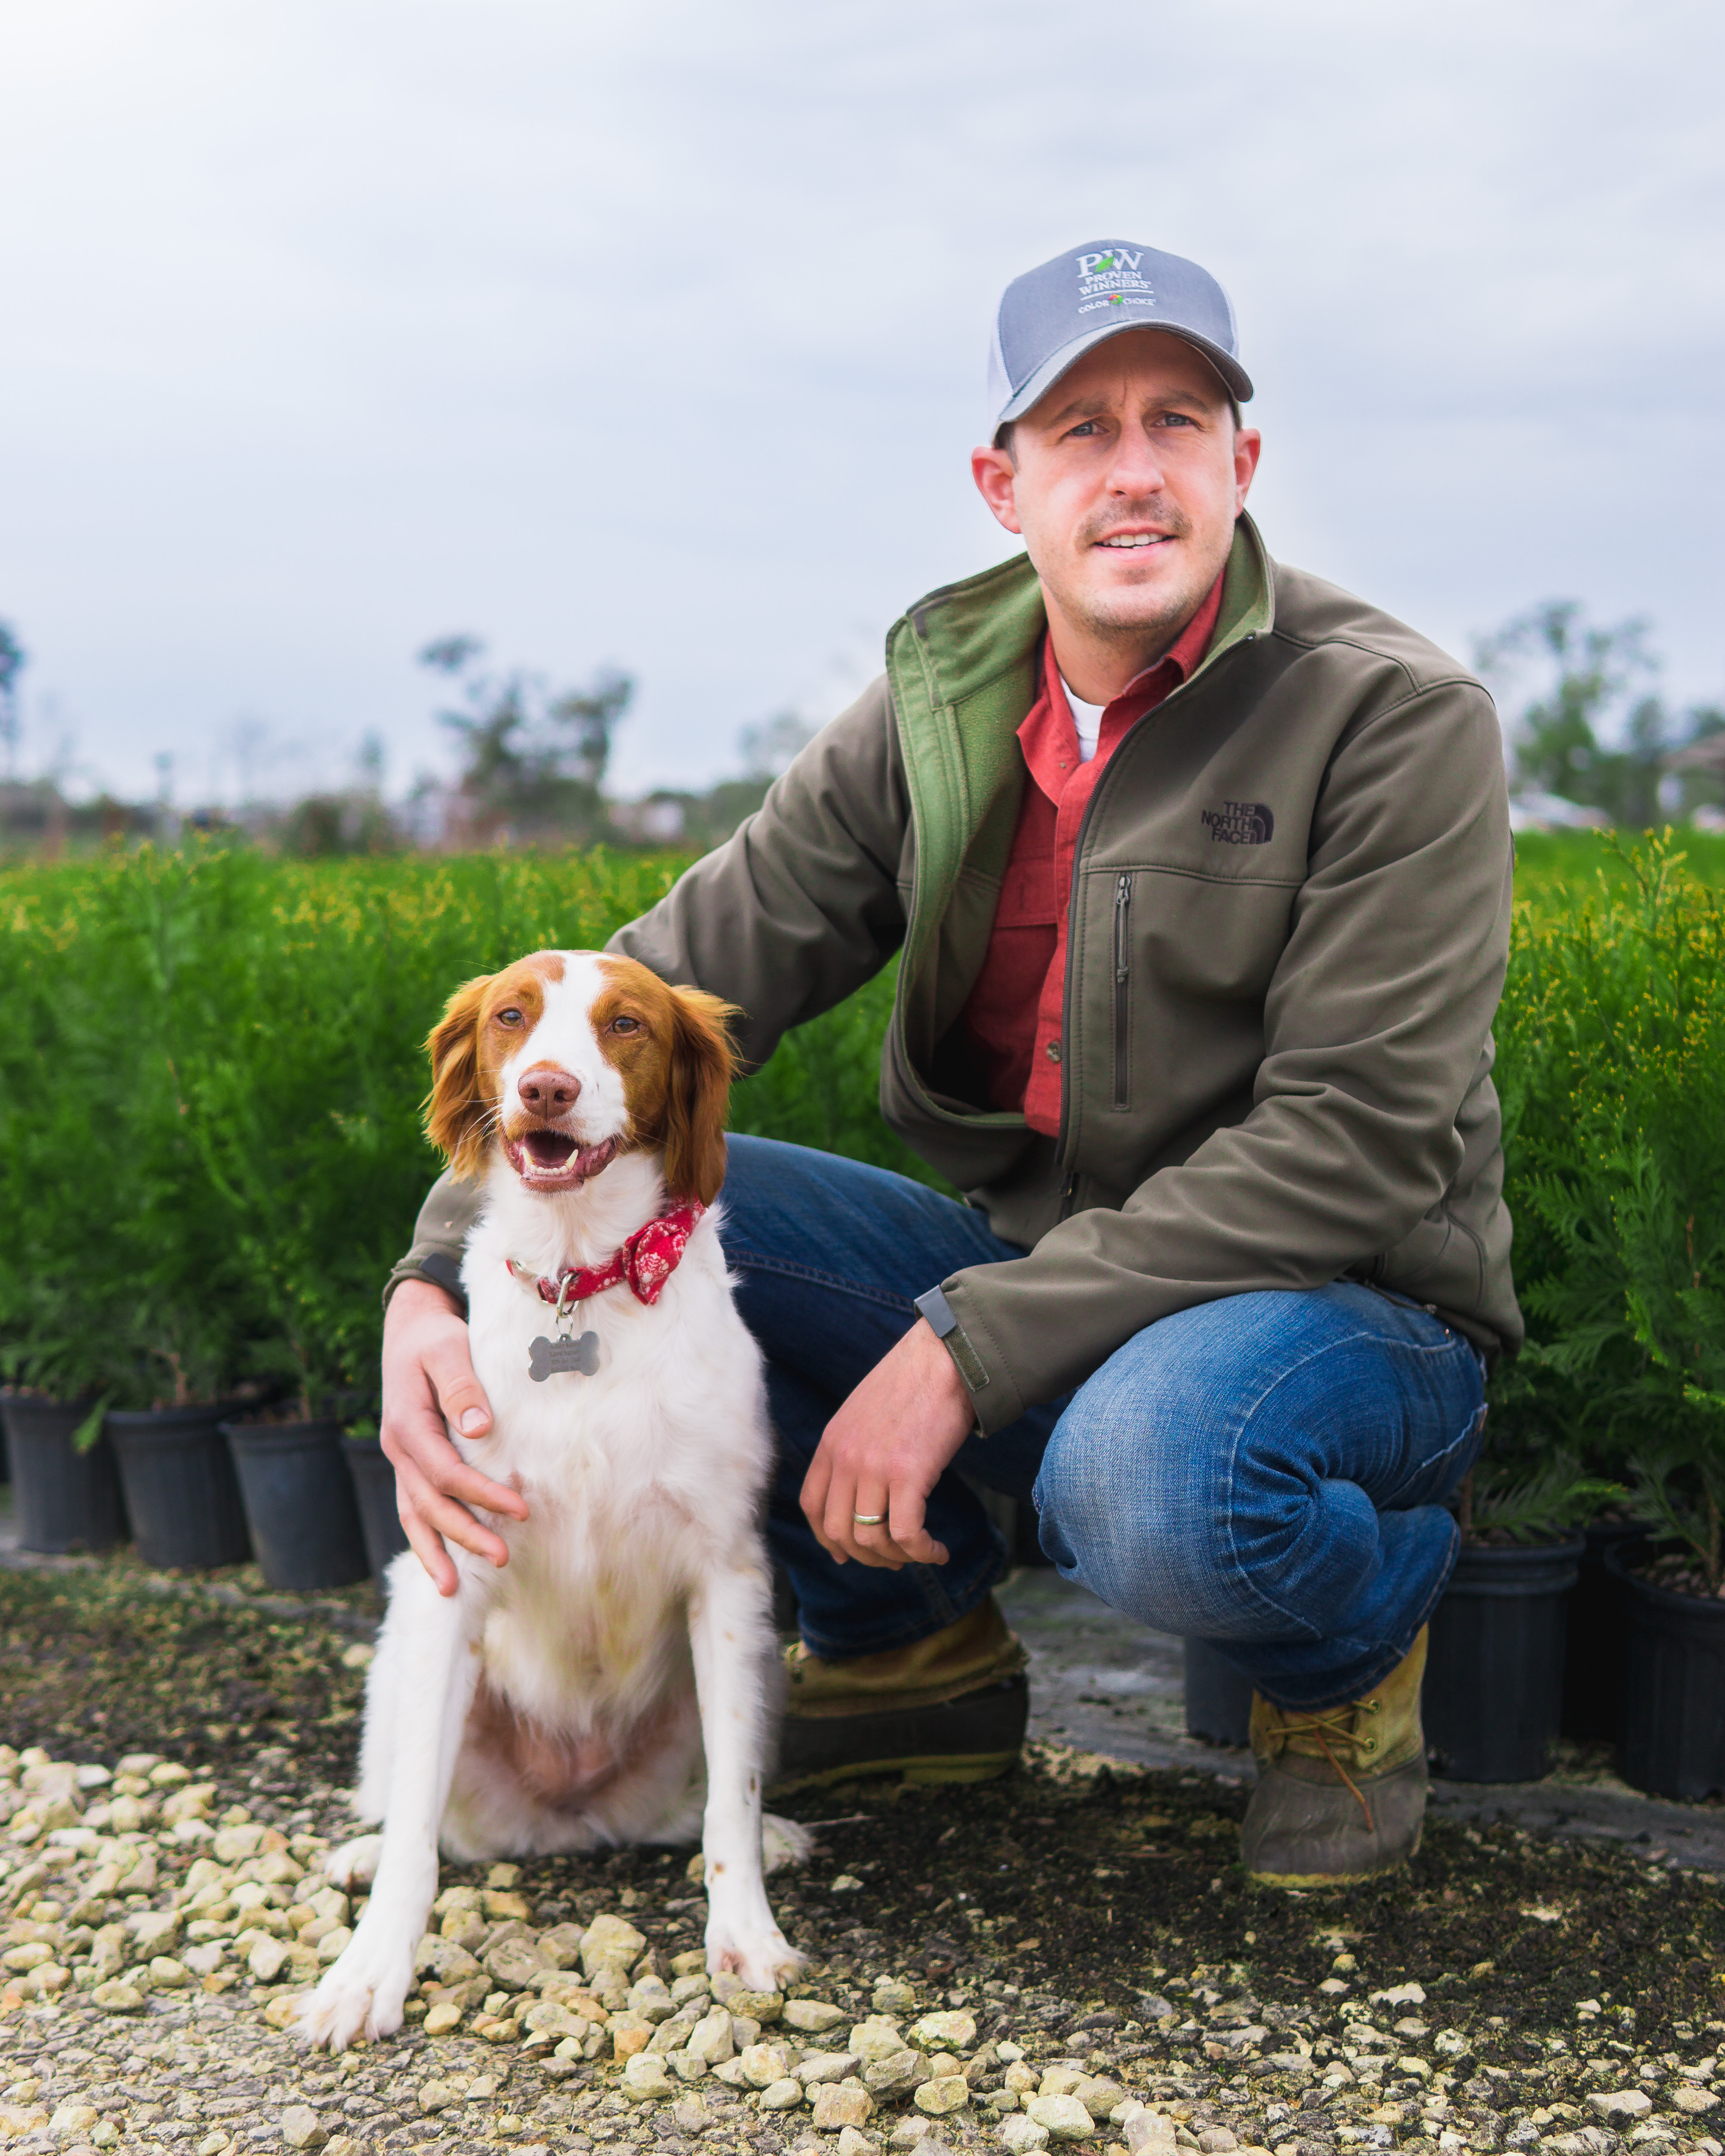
column 1240, row 823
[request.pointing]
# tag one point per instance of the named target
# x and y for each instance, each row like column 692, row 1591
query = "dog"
column 569, row 1699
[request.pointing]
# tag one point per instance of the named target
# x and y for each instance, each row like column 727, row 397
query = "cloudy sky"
column 654, row 333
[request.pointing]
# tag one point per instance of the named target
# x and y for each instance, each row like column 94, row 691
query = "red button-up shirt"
column 1013, row 1016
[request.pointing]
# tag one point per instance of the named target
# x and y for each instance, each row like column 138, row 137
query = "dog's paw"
column 354, row 1863
column 361, row 1995
column 758, row 1952
column 783, row 1842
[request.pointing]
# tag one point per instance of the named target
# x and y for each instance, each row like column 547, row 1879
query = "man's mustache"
column 1156, row 509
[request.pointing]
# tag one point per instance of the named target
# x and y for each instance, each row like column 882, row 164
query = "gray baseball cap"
column 1050, row 317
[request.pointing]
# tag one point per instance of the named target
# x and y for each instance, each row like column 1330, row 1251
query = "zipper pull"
column 1123, row 905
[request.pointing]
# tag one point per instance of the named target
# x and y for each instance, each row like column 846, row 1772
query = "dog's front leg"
column 437, row 1643
column 731, row 1632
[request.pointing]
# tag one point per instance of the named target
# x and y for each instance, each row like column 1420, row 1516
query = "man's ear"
column 702, row 1065
column 996, row 472
column 455, row 1115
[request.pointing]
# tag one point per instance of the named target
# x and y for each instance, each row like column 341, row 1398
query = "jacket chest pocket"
column 1188, row 962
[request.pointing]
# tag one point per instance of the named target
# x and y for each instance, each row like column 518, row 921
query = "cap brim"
column 1239, row 382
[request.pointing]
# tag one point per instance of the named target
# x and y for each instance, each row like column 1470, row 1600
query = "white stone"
column 853, row 2143
column 957, row 2030
column 1622, row 2103
column 764, row 2064
column 610, row 1942
column 814, row 2067
column 644, row 2078
column 711, row 2037
column 784, row 2095
column 877, row 2037
column 841, row 2103
column 1688, row 2096
column 1064, row 2116
column 1020, row 2133
column 948, row 2093
column 812, row 2017
column 302, row 2128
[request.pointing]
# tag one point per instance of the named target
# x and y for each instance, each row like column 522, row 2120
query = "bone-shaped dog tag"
column 551, row 1358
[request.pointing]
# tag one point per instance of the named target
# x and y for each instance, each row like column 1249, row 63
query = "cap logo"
column 1111, row 280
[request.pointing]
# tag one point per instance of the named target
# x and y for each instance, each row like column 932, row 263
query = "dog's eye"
column 510, row 1017
column 625, row 1025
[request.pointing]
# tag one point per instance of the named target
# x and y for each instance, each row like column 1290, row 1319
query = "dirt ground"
column 1544, row 1992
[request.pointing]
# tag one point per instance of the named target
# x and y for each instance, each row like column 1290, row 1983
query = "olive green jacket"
column 1289, row 924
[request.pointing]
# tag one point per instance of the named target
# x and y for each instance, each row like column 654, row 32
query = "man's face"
column 1125, row 481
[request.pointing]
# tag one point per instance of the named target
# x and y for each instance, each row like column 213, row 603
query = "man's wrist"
column 938, row 1315
column 423, row 1291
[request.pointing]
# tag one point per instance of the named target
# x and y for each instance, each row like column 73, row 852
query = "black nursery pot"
column 299, row 1503
column 1218, row 1699
column 64, row 1500
column 1593, row 1663
column 374, row 1491
column 180, row 1488
column 1673, row 1742
column 1494, row 1670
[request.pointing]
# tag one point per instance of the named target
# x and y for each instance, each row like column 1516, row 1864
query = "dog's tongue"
column 555, row 1150
column 548, row 1149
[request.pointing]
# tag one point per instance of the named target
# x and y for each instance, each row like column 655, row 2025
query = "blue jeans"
column 1266, row 1472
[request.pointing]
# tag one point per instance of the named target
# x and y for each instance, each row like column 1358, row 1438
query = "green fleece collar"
column 972, row 632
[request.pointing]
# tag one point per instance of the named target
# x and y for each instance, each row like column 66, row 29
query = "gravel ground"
column 173, row 1775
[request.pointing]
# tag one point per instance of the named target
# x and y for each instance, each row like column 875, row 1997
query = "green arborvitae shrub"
column 1612, row 1052
column 211, row 1066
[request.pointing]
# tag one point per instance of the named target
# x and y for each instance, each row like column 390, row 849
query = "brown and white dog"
column 567, row 1699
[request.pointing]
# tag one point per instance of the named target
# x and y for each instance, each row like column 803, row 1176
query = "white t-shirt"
column 1088, row 720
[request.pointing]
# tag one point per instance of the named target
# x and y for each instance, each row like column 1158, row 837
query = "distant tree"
column 1556, row 739
column 534, row 757
column 774, row 745
column 12, row 664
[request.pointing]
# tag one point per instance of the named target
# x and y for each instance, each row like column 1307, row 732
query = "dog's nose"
column 547, row 1090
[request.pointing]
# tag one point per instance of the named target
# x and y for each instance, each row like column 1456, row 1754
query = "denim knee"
column 1148, row 1513
column 1222, row 1474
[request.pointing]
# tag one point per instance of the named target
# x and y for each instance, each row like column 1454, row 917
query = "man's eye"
column 625, row 1025
column 511, row 1017
column 1084, row 427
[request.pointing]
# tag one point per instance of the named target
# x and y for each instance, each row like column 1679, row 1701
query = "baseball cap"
column 1049, row 318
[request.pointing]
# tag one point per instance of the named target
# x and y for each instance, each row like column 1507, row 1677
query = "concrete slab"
column 1103, row 1684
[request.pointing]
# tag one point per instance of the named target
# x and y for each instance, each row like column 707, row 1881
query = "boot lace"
column 1336, row 1722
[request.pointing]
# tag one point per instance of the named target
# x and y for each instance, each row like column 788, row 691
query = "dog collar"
column 645, row 1262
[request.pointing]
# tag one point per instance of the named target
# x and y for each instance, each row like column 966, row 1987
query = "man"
column 1198, row 873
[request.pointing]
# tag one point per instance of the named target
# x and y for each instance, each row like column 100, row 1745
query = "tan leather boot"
column 948, row 1708
column 1342, row 1790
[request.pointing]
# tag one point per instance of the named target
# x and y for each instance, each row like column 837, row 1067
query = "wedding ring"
column 869, row 1519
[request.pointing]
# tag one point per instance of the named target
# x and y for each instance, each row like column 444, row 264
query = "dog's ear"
column 698, row 1093
column 455, row 1115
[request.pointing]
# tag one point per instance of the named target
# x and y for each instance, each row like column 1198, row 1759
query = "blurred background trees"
column 1588, row 740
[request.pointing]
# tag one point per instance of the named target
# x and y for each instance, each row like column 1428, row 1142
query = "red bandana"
column 646, row 1261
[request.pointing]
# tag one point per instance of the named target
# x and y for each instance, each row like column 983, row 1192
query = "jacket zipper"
column 1123, row 983
column 1063, row 1143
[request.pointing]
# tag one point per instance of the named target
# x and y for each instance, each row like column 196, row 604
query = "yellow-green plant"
column 1613, row 1041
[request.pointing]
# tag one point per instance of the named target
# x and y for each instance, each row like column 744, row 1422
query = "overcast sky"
column 654, row 333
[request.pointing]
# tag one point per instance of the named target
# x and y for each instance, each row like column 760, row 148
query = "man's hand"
column 428, row 1380
column 885, row 1450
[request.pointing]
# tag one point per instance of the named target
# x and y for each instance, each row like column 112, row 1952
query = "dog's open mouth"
column 553, row 1160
